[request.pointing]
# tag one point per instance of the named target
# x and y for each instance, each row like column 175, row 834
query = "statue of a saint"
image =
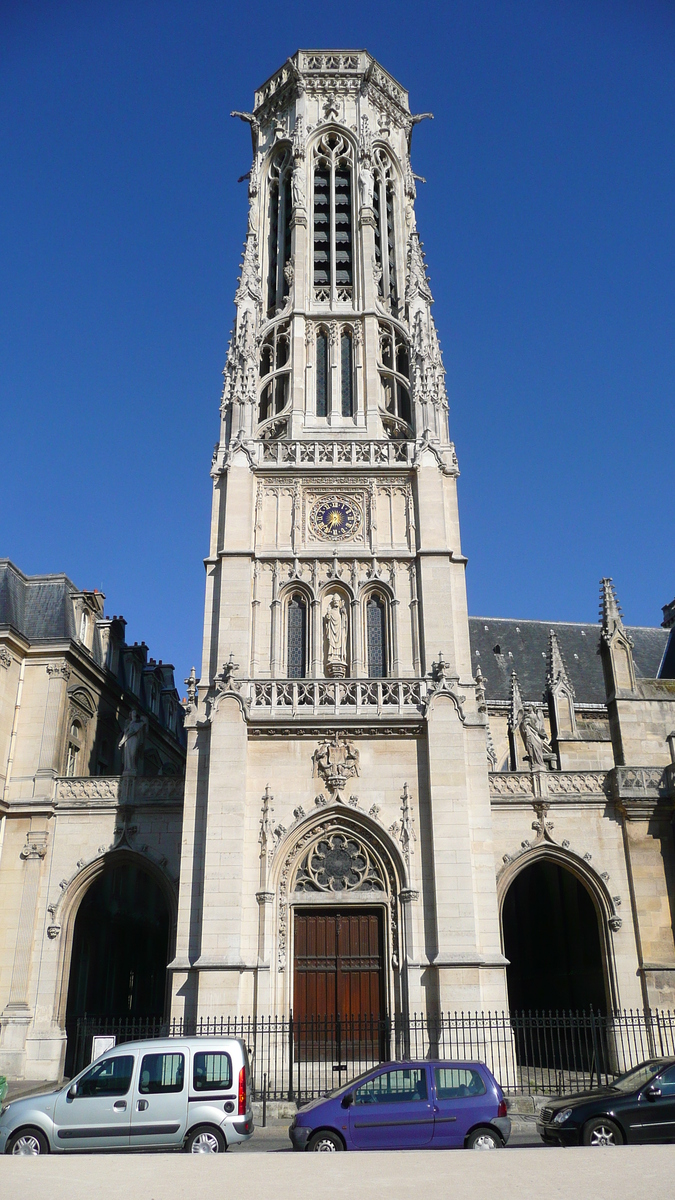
column 335, row 626
column 298, row 187
column 538, row 747
column 366, row 186
column 132, row 739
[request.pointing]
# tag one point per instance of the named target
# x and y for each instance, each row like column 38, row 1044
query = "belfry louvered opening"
column 279, row 230
column 385, row 231
column 333, row 222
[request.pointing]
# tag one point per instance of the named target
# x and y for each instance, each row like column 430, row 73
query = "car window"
column 392, row 1086
column 635, row 1079
column 111, row 1077
column 212, row 1072
column 453, row 1083
column 161, row 1073
column 666, row 1081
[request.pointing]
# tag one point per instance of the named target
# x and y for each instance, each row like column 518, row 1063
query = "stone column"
column 17, row 1014
column 650, row 864
column 48, row 765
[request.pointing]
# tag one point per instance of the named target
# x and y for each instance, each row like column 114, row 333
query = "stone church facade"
column 389, row 806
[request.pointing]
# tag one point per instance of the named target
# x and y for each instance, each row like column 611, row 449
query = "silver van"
column 193, row 1093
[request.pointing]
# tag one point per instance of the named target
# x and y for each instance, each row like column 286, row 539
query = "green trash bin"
column 3, row 1088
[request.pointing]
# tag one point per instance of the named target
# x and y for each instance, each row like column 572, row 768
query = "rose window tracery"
column 338, row 862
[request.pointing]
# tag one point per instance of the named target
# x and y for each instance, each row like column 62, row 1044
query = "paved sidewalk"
column 627, row 1173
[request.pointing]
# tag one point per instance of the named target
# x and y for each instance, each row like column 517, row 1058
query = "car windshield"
column 346, row 1087
column 637, row 1078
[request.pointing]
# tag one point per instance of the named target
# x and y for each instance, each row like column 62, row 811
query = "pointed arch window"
column 376, row 612
column 322, row 373
column 394, row 367
column 333, row 249
column 347, row 373
column 278, row 230
column 385, row 231
column 297, row 636
column 275, row 374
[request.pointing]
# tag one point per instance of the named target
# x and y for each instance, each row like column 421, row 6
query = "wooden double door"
column 339, row 968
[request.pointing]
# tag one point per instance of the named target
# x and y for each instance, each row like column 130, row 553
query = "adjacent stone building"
column 389, row 807
column 77, row 835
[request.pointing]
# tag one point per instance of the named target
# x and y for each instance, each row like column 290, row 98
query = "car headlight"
column 562, row 1116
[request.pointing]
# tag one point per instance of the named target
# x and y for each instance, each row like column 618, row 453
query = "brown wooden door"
column 338, row 965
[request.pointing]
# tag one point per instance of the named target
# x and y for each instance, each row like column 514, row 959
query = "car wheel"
column 602, row 1132
column 205, row 1139
column 27, row 1141
column 325, row 1142
column 484, row 1139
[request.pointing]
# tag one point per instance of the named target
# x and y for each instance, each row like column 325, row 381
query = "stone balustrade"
column 323, row 697
column 118, row 788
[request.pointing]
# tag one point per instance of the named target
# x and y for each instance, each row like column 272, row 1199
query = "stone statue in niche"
column 539, row 749
column 298, row 187
column 132, row 740
column 335, row 628
column 366, row 186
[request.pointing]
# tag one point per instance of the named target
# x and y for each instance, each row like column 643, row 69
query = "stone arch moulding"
column 327, row 819
column 73, row 892
column 603, row 902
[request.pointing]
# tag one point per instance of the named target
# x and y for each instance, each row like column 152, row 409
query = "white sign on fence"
column 99, row 1045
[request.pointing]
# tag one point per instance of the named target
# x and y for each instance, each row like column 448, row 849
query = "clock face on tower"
column 334, row 519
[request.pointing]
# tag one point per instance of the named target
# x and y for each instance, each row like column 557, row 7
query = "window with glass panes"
column 297, row 636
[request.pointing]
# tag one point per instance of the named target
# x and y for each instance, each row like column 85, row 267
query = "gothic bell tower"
column 336, row 801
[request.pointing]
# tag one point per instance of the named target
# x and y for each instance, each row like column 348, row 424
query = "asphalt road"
column 624, row 1173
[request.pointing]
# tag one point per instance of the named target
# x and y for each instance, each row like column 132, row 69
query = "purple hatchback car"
column 408, row 1106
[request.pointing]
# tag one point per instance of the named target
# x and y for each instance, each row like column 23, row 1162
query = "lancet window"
column 334, row 371
column 376, row 635
column 296, row 650
column 394, row 366
column 279, row 230
column 274, row 373
column 385, row 233
column 333, row 247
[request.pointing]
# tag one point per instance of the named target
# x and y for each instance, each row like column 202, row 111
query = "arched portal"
column 552, row 941
column 120, row 950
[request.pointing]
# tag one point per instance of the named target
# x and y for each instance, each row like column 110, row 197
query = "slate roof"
column 523, row 648
column 37, row 606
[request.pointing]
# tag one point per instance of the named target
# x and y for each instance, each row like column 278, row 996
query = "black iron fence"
column 529, row 1053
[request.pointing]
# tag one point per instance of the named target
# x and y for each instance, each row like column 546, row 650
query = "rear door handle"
column 141, row 1105
column 120, row 1105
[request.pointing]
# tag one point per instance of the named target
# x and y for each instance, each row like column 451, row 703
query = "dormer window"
column 333, row 220
column 84, row 627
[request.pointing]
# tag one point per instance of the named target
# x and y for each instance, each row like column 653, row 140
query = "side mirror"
column 348, row 1100
column 72, row 1091
column 652, row 1092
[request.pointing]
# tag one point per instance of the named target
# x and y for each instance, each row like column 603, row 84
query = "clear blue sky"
column 549, row 225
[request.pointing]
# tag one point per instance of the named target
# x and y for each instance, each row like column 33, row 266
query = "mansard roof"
column 503, row 645
column 36, row 605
